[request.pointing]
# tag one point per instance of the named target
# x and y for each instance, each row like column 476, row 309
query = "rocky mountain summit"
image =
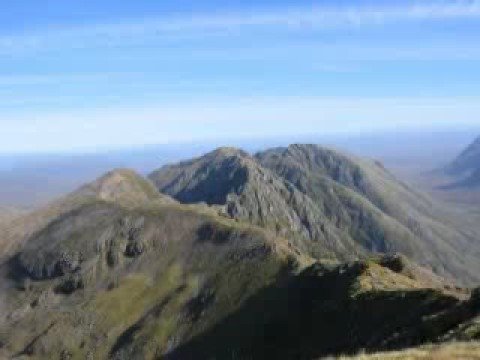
column 329, row 205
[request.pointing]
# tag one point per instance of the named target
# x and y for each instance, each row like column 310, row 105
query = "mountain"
column 113, row 257
column 119, row 270
column 109, row 277
column 325, row 310
column 466, row 167
column 121, row 185
column 241, row 188
column 468, row 160
column 329, row 205
column 473, row 180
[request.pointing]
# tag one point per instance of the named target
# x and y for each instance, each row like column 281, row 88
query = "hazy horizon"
column 36, row 178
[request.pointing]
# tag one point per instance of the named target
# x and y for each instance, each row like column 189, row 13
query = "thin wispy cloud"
column 335, row 68
column 55, row 78
column 201, row 26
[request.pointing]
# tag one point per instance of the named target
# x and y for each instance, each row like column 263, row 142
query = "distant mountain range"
column 466, row 167
column 295, row 252
column 36, row 179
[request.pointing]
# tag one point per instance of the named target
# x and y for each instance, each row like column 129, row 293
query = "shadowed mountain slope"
column 466, row 167
column 329, row 205
column 473, row 180
column 468, row 160
column 333, row 310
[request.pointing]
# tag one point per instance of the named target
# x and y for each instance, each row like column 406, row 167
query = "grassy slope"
column 327, row 311
column 122, row 186
column 468, row 350
column 187, row 252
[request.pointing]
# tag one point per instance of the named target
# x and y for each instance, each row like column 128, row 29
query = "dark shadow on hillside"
column 14, row 271
column 315, row 314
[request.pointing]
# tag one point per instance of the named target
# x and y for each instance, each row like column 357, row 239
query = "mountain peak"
column 120, row 185
column 328, row 204
column 468, row 160
column 466, row 167
column 209, row 178
column 228, row 151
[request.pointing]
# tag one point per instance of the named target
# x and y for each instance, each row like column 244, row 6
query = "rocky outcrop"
column 248, row 192
column 76, row 242
column 328, row 204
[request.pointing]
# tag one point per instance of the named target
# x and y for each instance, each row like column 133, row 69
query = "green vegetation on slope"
column 331, row 310
column 117, row 270
column 455, row 350
column 131, row 281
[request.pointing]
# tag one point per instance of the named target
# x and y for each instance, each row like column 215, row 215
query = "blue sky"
column 85, row 75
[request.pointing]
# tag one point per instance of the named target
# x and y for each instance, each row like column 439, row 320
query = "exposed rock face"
column 70, row 284
column 306, row 166
column 247, row 192
column 61, row 248
column 90, row 223
column 326, row 203
column 209, row 179
column 76, row 242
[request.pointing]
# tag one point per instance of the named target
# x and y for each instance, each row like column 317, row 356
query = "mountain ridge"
column 465, row 168
column 123, row 186
column 468, row 159
column 327, row 203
